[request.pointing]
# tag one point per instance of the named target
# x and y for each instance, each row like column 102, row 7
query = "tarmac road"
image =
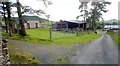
column 100, row 51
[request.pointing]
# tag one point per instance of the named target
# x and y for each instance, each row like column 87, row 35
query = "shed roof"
column 111, row 26
column 29, row 18
column 74, row 21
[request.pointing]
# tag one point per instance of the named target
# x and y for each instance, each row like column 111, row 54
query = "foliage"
column 46, row 2
column 115, row 23
column 6, row 10
column 84, row 11
column 94, row 14
column 99, row 25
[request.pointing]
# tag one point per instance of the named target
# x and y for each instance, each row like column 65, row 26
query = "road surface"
column 100, row 51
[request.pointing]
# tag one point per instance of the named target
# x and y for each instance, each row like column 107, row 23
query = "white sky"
column 68, row 9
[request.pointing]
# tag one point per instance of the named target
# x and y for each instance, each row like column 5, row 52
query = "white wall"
column 33, row 24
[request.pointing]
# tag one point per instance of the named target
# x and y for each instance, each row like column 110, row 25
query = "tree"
column 46, row 2
column 6, row 11
column 9, row 17
column 22, row 30
column 115, row 23
column 96, row 13
column 3, row 12
column 83, row 9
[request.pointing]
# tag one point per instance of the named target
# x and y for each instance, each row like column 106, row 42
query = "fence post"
column 50, row 33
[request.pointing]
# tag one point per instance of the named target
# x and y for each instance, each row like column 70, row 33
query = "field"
column 42, row 36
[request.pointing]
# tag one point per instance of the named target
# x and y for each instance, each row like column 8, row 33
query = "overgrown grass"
column 61, row 60
column 0, row 33
column 115, row 37
column 41, row 36
column 22, row 58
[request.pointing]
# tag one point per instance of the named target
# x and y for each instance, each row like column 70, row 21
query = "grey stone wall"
column 4, row 54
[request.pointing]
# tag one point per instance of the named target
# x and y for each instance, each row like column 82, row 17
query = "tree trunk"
column 13, row 27
column 5, row 19
column 9, row 18
column 22, row 31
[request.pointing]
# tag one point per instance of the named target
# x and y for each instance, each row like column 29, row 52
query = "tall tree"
column 6, row 11
column 83, row 9
column 9, row 17
column 96, row 12
column 3, row 12
column 22, row 30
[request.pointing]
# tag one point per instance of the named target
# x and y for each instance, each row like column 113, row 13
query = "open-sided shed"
column 71, row 24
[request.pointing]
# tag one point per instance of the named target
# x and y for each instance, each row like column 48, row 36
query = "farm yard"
column 56, row 32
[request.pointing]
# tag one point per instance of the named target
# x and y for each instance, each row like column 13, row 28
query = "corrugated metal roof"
column 75, row 21
column 29, row 18
column 111, row 26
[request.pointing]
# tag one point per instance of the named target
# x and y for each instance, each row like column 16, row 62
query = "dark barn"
column 70, row 24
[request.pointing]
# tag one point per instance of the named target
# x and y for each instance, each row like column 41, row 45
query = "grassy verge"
column 0, row 33
column 22, row 58
column 115, row 37
column 41, row 36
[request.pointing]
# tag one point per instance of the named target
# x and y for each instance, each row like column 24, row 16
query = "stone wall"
column 4, row 54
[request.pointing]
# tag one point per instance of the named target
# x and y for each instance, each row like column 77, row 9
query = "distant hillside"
column 111, row 20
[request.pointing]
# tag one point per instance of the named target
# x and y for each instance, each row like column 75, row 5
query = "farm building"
column 112, row 27
column 31, row 21
column 70, row 24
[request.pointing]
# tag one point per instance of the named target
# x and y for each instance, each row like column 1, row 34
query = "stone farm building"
column 31, row 22
column 70, row 24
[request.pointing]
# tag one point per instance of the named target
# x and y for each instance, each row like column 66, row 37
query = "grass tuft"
column 22, row 58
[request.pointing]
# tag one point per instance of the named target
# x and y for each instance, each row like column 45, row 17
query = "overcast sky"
column 68, row 9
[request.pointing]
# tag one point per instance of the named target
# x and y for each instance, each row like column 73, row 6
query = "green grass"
column 115, row 37
column 41, row 36
column 61, row 60
column 22, row 58
column 0, row 33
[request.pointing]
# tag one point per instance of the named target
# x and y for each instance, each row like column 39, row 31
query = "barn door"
column 36, row 25
column 28, row 25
